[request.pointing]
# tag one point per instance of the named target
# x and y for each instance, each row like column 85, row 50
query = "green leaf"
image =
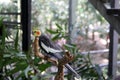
column 35, row 77
column 56, row 37
column 51, row 31
column 84, row 68
column 16, row 40
column 27, row 70
column 8, row 61
column 60, row 27
column 36, row 61
column 43, row 66
column 20, row 66
column 1, row 21
column 69, row 45
column 3, row 37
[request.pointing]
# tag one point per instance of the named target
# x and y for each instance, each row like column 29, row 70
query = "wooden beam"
column 113, row 11
column 113, row 20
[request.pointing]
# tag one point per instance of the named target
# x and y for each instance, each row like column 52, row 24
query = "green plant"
column 58, row 33
column 16, row 64
column 81, row 63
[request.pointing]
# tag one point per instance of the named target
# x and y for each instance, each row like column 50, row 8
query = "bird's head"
column 37, row 33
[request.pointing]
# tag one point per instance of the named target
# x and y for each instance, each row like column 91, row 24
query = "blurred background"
column 90, row 32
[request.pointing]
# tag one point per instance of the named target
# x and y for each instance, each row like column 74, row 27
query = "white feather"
column 48, row 49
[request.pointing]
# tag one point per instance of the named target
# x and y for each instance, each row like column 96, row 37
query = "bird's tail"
column 73, row 71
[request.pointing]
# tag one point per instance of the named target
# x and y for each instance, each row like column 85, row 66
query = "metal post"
column 113, row 48
column 112, row 67
column 71, row 20
column 72, row 17
column 26, row 23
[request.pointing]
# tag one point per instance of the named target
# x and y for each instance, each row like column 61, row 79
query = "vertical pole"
column 72, row 17
column 26, row 23
column 113, row 48
column 71, row 21
column 112, row 67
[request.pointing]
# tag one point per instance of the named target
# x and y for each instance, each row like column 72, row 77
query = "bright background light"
column 5, row 1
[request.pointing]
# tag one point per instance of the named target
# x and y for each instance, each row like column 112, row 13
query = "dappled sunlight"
column 5, row 1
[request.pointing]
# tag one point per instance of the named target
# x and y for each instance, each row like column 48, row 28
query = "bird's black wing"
column 48, row 47
column 47, row 42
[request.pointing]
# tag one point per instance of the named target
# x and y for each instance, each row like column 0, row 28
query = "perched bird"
column 52, row 50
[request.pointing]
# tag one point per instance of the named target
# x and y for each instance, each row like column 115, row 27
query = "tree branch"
column 66, row 59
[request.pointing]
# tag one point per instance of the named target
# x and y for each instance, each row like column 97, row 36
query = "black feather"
column 45, row 40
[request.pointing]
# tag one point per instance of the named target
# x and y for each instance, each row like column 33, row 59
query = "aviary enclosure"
column 87, row 31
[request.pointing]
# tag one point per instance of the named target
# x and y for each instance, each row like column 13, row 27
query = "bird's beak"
column 36, row 33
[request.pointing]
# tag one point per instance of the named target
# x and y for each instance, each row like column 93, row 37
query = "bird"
column 52, row 50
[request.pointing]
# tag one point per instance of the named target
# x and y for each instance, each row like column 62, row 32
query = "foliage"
column 82, row 63
column 15, row 64
column 89, row 20
column 58, row 33
column 47, row 13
